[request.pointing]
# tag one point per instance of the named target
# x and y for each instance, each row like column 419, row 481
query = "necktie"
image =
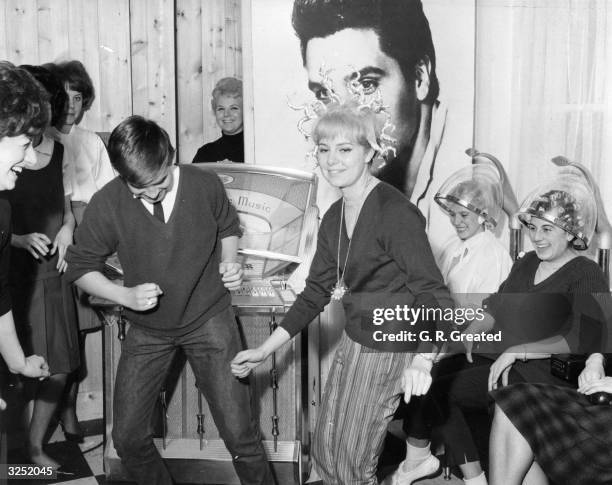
column 158, row 211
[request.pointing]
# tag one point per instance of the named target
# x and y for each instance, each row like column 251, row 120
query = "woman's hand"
column 416, row 379
column 35, row 243
column 246, row 361
column 600, row 385
column 501, row 367
column 60, row 244
column 476, row 327
column 142, row 297
column 593, row 370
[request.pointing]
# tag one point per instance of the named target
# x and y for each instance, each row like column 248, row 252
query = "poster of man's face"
column 401, row 50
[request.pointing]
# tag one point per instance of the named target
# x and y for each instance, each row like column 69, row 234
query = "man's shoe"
column 426, row 469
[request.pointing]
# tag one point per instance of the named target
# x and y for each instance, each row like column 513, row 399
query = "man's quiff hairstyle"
column 24, row 106
column 401, row 26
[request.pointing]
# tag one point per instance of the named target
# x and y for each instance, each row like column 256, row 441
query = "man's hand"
column 35, row 366
column 416, row 378
column 35, row 243
column 501, row 367
column 246, row 361
column 60, row 244
column 231, row 274
column 142, row 297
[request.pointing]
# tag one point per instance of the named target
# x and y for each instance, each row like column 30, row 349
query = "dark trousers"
column 145, row 360
column 458, row 389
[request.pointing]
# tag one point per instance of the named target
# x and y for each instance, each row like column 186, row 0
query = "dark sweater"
column 182, row 256
column 573, row 302
column 390, row 263
column 230, row 147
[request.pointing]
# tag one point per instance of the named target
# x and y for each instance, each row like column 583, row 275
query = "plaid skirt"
column 571, row 439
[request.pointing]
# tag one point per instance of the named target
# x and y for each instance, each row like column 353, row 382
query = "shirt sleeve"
column 491, row 270
column 96, row 238
column 317, row 291
column 102, row 170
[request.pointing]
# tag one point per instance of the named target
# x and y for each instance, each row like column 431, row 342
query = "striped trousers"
column 362, row 392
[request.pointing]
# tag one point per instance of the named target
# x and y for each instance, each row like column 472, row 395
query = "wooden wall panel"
column 140, row 62
column 83, row 32
column 115, row 74
column 21, row 26
column 192, row 101
column 53, row 30
column 3, row 51
column 220, row 55
column 152, row 55
column 233, row 38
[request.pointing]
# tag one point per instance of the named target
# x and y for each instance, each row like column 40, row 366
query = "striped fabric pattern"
column 361, row 395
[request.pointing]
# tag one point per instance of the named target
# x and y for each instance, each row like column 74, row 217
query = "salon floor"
column 82, row 464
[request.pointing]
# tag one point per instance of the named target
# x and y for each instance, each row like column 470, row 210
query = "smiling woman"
column 371, row 242
column 227, row 106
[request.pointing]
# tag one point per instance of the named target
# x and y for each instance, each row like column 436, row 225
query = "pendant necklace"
column 340, row 289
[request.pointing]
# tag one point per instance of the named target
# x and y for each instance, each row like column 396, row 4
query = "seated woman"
column 473, row 264
column 372, row 253
column 227, row 107
column 545, row 432
column 43, row 301
column 538, row 311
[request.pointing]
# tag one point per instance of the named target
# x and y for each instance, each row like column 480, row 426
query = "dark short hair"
column 139, row 149
column 74, row 74
column 401, row 26
column 24, row 106
column 55, row 90
column 228, row 86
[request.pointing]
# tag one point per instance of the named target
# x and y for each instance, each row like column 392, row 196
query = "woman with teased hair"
column 227, row 107
column 372, row 253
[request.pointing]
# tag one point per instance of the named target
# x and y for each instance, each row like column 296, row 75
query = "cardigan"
column 181, row 255
column 390, row 263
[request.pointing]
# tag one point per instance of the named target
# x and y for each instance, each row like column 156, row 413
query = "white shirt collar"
column 170, row 198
